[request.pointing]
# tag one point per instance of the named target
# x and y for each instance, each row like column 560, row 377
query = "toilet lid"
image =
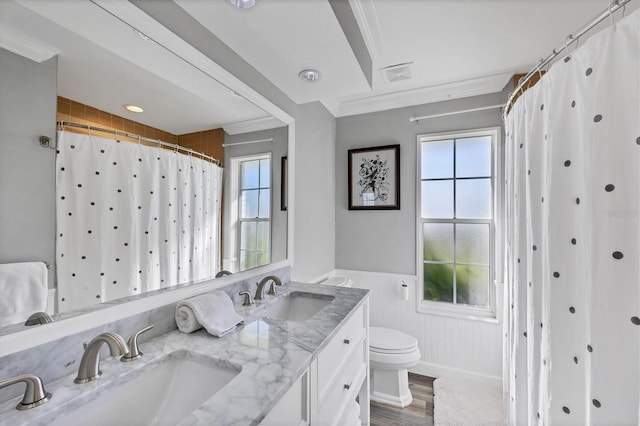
column 388, row 340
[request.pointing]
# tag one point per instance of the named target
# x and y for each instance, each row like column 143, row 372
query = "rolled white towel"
column 213, row 311
column 186, row 319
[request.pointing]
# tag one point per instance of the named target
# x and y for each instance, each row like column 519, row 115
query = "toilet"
column 391, row 354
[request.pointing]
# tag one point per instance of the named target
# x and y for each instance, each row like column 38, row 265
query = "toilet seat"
column 392, row 349
column 388, row 341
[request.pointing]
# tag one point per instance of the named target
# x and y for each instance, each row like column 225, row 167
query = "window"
column 456, row 222
column 254, row 211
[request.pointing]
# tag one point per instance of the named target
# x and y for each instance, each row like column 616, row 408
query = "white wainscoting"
column 450, row 347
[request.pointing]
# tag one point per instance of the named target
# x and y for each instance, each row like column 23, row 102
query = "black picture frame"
column 284, row 184
column 374, row 178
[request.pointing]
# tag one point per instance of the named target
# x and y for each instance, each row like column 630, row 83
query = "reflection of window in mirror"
column 251, row 221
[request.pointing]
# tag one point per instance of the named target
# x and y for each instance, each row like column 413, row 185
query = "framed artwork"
column 284, row 184
column 374, row 178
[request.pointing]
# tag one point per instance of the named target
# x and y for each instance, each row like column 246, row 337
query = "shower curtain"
column 131, row 218
column 572, row 349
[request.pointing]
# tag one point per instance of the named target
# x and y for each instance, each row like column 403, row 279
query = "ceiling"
column 453, row 48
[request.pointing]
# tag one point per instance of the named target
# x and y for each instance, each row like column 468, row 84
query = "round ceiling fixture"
column 309, row 75
column 132, row 108
column 243, row 4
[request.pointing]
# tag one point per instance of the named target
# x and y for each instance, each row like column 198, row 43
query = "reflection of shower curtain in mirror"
column 573, row 234
column 131, row 219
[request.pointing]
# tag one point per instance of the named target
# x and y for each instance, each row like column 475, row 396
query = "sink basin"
column 164, row 394
column 297, row 306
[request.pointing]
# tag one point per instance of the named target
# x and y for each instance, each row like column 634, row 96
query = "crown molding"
column 20, row 44
column 424, row 95
column 257, row 124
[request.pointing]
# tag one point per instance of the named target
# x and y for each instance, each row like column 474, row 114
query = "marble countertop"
column 272, row 354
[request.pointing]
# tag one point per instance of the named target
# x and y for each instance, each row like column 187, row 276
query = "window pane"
column 473, row 199
column 265, row 203
column 249, row 203
column 249, row 173
column 263, row 242
column 437, row 159
column 262, row 258
column 472, row 285
column 438, row 282
column 247, row 259
column 248, row 235
column 438, row 241
column 473, row 157
column 472, row 243
column 265, row 174
column 437, row 199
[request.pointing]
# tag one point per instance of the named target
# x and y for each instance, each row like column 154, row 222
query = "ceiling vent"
column 397, row 72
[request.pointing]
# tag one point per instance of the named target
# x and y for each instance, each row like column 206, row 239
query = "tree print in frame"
column 374, row 178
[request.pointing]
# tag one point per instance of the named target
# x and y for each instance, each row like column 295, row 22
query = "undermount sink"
column 297, row 306
column 165, row 394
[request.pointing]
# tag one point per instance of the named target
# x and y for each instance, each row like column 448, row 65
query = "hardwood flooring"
column 420, row 412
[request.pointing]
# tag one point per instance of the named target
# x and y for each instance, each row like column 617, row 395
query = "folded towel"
column 23, row 287
column 213, row 311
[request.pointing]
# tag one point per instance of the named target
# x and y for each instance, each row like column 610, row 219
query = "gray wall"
column 27, row 177
column 278, row 149
column 314, row 238
column 385, row 241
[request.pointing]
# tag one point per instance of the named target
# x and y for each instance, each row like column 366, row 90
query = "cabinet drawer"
column 343, row 389
column 336, row 353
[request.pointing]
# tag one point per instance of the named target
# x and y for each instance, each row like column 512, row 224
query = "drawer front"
column 336, row 353
column 344, row 389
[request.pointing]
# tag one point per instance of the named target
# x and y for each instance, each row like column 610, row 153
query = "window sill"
column 469, row 313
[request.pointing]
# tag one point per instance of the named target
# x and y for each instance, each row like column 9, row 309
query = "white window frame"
column 234, row 210
column 488, row 314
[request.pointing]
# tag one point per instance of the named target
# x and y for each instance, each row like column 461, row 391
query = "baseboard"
column 435, row 370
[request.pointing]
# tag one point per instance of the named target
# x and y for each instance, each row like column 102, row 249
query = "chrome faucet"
column 34, row 394
column 272, row 290
column 88, row 370
column 38, row 318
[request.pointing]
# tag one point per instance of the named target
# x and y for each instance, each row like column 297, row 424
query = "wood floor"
column 420, row 412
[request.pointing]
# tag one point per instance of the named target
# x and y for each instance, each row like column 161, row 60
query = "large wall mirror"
column 77, row 62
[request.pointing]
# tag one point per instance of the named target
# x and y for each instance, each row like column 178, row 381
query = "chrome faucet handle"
column 34, row 394
column 134, row 352
column 38, row 318
column 274, row 282
column 272, row 287
column 248, row 300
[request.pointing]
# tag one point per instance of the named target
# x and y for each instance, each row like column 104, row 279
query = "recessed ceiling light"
column 309, row 75
column 132, row 108
column 243, row 4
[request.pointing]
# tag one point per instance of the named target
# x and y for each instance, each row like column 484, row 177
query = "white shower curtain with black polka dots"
column 131, row 219
column 572, row 351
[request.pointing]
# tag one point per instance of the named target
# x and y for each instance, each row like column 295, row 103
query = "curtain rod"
column 444, row 114
column 174, row 146
column 571, row 38
column 247, row 142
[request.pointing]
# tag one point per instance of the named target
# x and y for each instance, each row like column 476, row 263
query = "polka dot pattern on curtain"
column 573, row 238
column 123, row 227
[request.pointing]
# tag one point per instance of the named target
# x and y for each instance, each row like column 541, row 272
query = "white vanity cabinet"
column 293, row 408
column 325, row 393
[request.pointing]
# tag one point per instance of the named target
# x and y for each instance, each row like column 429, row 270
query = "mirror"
column 106, row 66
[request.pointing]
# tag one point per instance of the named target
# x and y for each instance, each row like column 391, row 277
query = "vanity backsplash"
column 59, row 358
